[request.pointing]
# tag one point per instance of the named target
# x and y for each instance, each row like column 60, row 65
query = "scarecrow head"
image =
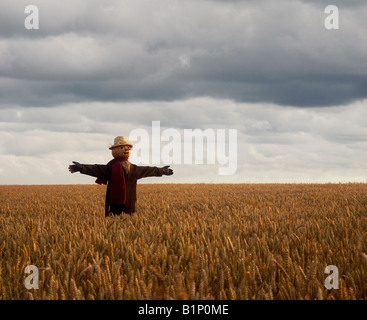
column 121, row 147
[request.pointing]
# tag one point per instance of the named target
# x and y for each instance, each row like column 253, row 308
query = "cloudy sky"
column 295, row 91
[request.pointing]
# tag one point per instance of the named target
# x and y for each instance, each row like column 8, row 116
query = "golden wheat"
column 198, row 241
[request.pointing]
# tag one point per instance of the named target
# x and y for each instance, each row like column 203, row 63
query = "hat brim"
column 120, row 145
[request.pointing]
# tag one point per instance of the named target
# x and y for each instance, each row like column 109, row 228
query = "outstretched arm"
column 143, row 172
column 95, row 170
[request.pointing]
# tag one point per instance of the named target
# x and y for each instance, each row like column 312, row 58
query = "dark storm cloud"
column 249, row 51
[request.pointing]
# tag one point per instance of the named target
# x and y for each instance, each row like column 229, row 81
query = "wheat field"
column 188, row 241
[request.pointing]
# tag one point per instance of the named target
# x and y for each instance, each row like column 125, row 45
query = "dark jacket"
column 136, row 172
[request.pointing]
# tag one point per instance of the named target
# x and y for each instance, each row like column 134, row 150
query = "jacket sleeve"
column 142, row 172
column 102, row 171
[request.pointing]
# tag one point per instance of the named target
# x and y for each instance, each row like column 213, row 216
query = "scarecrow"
column 121, row 177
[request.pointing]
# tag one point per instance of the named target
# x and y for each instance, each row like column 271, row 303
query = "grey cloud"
column 247, row 51
column 257, row 123
column 339, row 3
column 274, row 143
column 322, row 3
column 109, row 67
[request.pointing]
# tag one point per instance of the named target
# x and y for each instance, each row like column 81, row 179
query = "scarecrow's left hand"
column 166, row 171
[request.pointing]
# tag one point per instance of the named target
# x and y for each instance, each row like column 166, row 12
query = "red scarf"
column 117, row 181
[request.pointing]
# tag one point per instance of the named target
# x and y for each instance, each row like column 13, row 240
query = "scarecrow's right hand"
column 75, row 167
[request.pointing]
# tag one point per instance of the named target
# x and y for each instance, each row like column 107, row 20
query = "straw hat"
column 120, row 141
